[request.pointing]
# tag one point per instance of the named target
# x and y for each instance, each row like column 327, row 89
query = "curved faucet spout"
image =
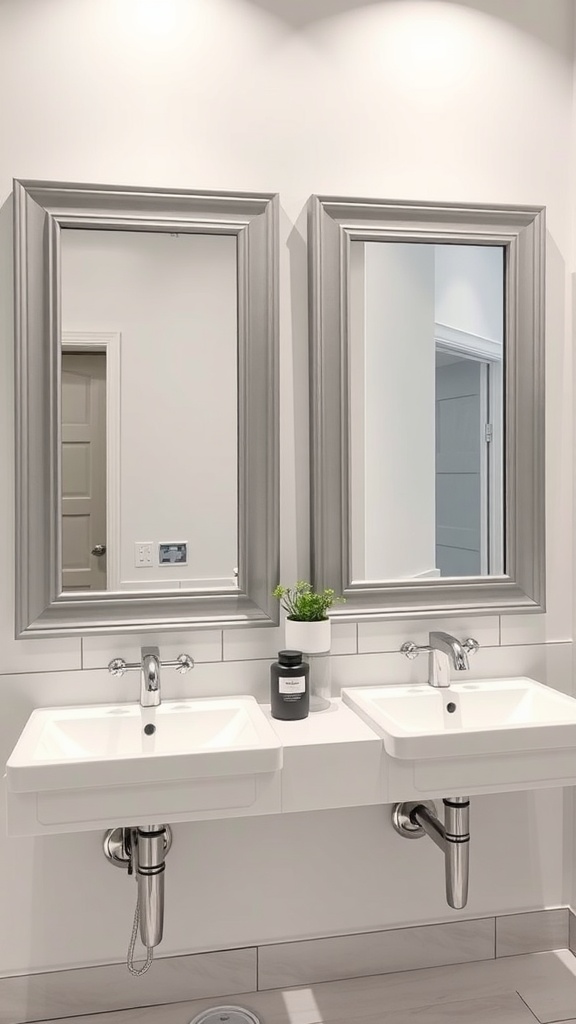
column 150, row 677
column 444, row 649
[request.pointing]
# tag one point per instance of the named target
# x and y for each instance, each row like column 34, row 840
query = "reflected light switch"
column 143, row 553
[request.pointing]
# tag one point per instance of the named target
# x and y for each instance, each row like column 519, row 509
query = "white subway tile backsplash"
column 546, row 628
column 56, row 654
column 388, row 636
column 203, row 645
column 250, row 644
column 241, row 644
column 344, row 638
column 376, row 669
column 548, row 663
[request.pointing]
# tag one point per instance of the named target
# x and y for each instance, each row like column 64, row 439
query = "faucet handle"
column 183, row 663
column 117, row 667
column 470, row 645
column 412, row 650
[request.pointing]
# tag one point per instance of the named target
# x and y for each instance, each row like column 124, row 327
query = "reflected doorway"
column 469, row 540
column 84, row 539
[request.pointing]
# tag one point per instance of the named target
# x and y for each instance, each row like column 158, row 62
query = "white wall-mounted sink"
column 181, row 760
column 477, row 736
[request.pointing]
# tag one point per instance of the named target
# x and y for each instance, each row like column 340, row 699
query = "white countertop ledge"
column 331, row 759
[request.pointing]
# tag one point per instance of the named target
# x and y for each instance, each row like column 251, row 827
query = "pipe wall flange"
column 117, row 844
column 402, row 818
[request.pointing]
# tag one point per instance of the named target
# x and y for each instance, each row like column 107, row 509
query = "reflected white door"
column 83, row 471
column 461, row 486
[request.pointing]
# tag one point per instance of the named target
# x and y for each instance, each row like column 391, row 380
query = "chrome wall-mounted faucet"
column 150, row 677
column 149, row 667
column 444, row 650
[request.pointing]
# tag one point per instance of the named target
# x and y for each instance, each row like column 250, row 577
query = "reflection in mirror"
column 426, row 356
column 149, row 405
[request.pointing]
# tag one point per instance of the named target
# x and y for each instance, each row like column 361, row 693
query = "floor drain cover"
column 226, row 1015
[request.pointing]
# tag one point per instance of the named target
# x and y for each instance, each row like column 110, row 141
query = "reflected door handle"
column 99, row 550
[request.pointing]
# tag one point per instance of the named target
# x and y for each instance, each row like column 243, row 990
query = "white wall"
column 470, row 289
column 399, row 411
column 418, row 100
column 173, row 301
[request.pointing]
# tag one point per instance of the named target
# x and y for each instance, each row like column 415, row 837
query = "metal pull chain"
column 138, row 971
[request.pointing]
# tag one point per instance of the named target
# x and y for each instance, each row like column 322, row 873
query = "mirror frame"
column 41, row 210
column 333, row 223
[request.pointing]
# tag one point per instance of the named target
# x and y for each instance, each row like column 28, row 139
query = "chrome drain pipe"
column 150, row 867
column 412, row 820
column 141, row 851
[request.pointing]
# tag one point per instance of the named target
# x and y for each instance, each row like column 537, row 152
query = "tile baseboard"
column 212, row 976
column 385, row 952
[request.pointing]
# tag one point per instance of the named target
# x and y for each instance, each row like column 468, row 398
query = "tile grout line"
column 267, row 991
column 529, row 1008
column 243, row 661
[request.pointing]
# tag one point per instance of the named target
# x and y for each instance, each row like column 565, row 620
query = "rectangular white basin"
column 476, row 718
column 73, row 748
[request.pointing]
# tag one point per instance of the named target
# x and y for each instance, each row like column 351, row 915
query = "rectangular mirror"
column 147, row 426
column 427, row 406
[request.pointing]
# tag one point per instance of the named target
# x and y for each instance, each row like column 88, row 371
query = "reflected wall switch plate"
column 173, row 554
column 143, row 553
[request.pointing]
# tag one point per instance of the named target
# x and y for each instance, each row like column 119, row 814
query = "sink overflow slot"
column 149, row 730
column 451, row 707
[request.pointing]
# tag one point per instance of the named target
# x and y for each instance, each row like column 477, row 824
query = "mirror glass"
column 426, row 426
column 149, row 410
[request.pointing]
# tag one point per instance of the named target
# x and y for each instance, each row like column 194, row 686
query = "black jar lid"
column 290, row 658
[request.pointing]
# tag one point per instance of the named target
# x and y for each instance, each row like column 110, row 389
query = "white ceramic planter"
column 308, row 637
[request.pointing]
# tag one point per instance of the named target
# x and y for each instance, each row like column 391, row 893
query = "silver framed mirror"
column 427, row 406
column 147, row 409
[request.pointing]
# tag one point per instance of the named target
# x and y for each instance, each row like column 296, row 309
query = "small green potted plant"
column 307, row 624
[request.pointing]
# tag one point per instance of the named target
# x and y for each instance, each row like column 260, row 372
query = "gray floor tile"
column 40, row 997
column 551, row 993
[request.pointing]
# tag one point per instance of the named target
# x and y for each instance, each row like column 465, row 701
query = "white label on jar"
column 292, row 684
